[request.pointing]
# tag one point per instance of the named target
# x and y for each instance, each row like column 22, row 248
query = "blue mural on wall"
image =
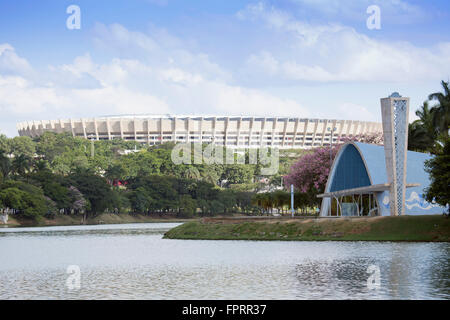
column 415, row 203
column 413, row 200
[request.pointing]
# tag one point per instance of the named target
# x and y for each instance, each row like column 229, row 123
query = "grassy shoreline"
column 432, row 228
column 106, row 218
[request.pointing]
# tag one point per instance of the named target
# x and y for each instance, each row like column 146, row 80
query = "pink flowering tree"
column 79, row 204
column 373, row 138
column 310, row 173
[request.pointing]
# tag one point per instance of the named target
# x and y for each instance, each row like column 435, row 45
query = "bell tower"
column 395, row 115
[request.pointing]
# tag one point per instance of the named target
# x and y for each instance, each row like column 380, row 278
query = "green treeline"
column 281, row 201
column 431, row 130
column 60, row 174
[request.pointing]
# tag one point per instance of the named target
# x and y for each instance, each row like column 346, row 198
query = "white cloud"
column 11, row 63
column 157, row 72
column 354, row 111
column 240, row 101
column 85, row 88
column 156, row 48
column 336, row 53
column 19, row 96
column 393, row 11
column 119, row 38
column 52, row 97
column 264, row 61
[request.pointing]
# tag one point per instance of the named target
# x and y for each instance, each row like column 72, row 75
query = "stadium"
column 238, row 131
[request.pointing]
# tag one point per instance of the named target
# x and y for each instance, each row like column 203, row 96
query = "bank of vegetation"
column 406, row 228
column 104, row 218
column 56, row 175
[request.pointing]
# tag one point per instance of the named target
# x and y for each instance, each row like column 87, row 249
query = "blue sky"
column 307, row 58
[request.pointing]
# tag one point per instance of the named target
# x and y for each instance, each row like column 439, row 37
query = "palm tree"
column 418, row 138
column 192, row 173
column 426, row 116
column 441, row 112
column 422, row 133
column 40, row 165
column 21, row 164
column 210, row 176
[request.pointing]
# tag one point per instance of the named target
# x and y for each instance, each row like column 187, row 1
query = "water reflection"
column 134, row 262
column 328, row 279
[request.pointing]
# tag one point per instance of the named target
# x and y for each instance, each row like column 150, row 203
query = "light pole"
column 292, row 200
column 331, row 158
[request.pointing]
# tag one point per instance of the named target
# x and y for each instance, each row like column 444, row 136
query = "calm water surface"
column 134, row 262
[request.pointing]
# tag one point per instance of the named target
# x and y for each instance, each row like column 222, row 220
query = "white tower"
column 395, row 114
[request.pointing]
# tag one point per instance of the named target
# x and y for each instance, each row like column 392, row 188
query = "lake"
column 133, row 262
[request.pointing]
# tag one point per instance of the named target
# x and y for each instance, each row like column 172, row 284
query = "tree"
column 94, row 188
column 12, row 198
column 5, row 144
column 50, row 144
column 21, row 164
column 142, row 163
column 419, row 139
column 5, row 164
column 154, row 183
column 310, row 173
column 373, row 138
column 439, row 170
column 79, row 204
column 426, row 116
column 244, row 201
column 41, row 165
column 238, row 173
column 264, row 201
column 52, row 207
column 422, row 133
column 161, row 189
column 228, row 200
column 188, row 206
column 22, row 146
column 205, row 190
column 211, row 173
column 26, row 198
column 52, row 185
column 192, row 173
column 140, row 200
column 441, row 112
column 280, row 199
column 115, row 172
column 428, row 133
column 58, row 193
column 120, row 201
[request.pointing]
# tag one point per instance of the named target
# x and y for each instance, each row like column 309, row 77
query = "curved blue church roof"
column 376, row 164
column 361, row 164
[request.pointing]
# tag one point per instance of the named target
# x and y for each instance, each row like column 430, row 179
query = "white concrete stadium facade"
column 238, row 132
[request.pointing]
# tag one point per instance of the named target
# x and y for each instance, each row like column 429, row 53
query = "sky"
column 286, row 58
